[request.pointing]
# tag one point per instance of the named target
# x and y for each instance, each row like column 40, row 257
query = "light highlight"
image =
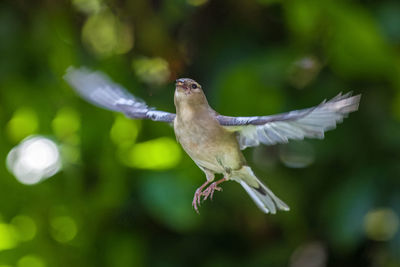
column 34, row 159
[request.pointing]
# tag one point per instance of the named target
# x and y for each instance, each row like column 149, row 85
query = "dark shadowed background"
column 81, row 186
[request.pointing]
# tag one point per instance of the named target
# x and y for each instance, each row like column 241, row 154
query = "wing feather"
column 297, row 125
column 98, row 89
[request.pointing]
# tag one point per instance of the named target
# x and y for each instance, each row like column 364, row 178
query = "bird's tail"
column 260, row 193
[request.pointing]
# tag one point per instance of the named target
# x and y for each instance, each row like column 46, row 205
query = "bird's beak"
column 180, row 84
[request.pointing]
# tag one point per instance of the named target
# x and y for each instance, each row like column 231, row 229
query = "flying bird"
column 213, row 141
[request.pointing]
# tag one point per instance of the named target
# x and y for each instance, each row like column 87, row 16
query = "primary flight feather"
column 213, row 141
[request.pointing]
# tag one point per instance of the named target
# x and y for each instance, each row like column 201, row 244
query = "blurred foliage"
column 123, row 196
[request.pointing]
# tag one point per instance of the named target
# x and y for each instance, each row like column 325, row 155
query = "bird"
column 214, row 141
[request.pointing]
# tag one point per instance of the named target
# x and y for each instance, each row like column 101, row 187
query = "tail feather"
column 264, row 198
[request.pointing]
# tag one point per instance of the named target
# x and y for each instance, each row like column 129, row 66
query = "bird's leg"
column 197, row 196
column 209, row 192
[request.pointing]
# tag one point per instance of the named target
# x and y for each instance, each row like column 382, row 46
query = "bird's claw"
column 208, row 192
column 197, row 199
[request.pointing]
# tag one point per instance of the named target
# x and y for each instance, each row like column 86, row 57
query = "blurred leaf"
column 168, row 200
column 348, row 204
column 381, row 224
column 31, row 261
column 158, row 154
column 23, row 123
column 63, row 228
column 8, row 237
column 88, row 6
column 357, row 47
column 124, row 250
column 66, row 123
column 304, row 18
column 196, row 2
column 389, row 17
column 124, row 131
column 153, row 71
column 105, row 35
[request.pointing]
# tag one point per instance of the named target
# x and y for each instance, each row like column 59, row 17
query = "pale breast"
column 208, row 144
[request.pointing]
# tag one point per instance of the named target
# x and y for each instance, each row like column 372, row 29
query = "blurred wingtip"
column 97, row 88
column 71, row 74
column 346, row 103
column 71, row 69
column 355, row 100
column 68, row 72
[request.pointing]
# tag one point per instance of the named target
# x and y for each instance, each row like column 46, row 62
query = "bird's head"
column 189, row 91
column 187, row 86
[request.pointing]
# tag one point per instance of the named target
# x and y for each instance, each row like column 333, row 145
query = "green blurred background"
column 119, row 192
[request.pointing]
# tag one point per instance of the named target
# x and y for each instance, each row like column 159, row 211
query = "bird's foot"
column 197, row 196
column 208, row 192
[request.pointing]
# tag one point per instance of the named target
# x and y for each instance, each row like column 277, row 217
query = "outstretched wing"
column 296, row 125
column 98, row 89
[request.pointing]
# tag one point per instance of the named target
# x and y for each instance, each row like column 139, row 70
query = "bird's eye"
column 194, row 86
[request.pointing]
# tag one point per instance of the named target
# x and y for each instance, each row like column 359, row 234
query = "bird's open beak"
column 180, row 84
